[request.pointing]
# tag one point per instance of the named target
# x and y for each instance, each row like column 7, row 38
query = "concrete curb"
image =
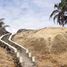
column 27, row 51
column 12, row 48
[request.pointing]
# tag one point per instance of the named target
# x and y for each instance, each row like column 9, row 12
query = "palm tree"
column 2, row 27
column 59, row 13
column 1, row 22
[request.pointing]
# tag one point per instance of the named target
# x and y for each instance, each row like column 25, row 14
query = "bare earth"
column 6, row 60
column 49, row 45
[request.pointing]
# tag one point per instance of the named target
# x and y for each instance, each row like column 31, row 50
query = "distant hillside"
column 24, row 30
column 49, row 45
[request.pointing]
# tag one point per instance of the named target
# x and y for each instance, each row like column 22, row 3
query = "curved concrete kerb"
column 12, row 48
column 21, row 59
column 16, row 51
column 27, row 51
column 30, row 55
column 15, row 42
column 18, row 55
column 33, row 59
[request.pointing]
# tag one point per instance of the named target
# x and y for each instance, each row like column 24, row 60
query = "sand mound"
column 49, row 45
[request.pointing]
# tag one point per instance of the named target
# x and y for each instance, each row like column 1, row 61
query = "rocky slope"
column 49, row 45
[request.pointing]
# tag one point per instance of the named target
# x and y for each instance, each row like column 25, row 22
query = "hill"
column 49, row 45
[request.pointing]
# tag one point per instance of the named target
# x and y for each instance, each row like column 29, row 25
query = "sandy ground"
column 49, row 45
column 6, row 60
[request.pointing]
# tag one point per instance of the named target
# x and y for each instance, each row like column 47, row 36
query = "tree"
column 60, row 13
column 2, row 27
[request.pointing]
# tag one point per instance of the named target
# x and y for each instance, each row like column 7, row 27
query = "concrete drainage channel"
column 25, row 57
column 11, row 50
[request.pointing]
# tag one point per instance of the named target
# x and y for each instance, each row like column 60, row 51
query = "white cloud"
column 27, row 13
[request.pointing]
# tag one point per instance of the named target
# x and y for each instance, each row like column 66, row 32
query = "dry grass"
column 59, row 44
column 49, row 45
column 6, row 60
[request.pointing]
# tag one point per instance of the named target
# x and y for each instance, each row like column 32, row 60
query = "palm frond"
column 54, row 12
column 58, row 19
column 56, row 6
column 1, row 19
column 5, row 26
column 65, row 18
column 55, row 17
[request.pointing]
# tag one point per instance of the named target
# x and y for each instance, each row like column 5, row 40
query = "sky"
column 27, row 14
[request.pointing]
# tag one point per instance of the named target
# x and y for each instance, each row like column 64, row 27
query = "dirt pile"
column 49, row 45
